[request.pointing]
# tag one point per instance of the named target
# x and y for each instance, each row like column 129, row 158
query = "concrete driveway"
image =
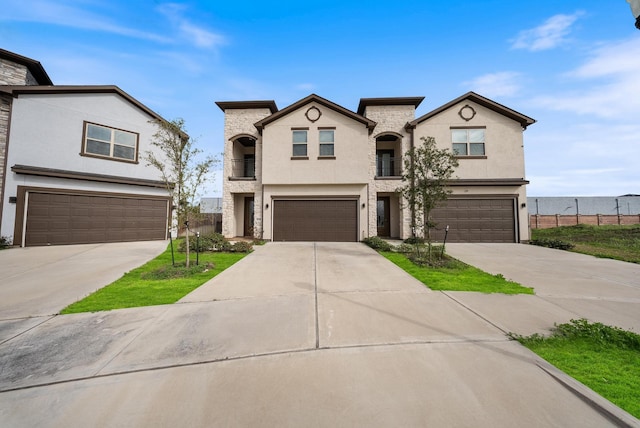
column 567, row 286
column 295, row 334
column 40, row 281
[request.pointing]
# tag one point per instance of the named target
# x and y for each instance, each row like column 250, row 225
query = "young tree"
column 426, row 172
column 182, row 167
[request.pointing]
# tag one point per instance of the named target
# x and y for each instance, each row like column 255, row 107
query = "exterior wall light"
column 266, row 207
column 363, row 205
column 635, row 10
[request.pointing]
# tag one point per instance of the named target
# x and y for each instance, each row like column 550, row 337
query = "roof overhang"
column 246, row 105
column 370, row 124
column 392, row 101
column 36, row 69
column 16, row 91
column 480, row 100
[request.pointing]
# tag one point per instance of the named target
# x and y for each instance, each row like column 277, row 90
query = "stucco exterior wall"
column 46, row 132
column 351, row 150
column 503, row 142
column 352, row 171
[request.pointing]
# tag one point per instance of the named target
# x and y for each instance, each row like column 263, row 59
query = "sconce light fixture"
column 363, row 205
column 266, row 206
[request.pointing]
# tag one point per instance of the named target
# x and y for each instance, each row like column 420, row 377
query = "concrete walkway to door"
column 295, row 334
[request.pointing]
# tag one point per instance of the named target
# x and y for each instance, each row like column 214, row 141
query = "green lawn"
column 613, row 242
column 136, row 289
column 458, row 277
column 606, row 359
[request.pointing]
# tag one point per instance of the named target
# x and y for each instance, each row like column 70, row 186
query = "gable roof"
column 241, row 105
column 392, row 101
column 79, row 89
column 485, row 102
column 36, row 69
column 370, row 124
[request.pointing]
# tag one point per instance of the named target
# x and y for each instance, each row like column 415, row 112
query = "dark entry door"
column 383, row 207
column 248, row 216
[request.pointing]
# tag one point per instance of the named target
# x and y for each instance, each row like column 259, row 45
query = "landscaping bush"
column 377, row 243
column 414, row 240
column 405, row 249
column 4, row 242
column 552, row 243
column 241, row 247
column 208, row 242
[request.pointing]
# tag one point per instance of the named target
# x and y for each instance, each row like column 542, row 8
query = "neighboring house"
column 316, row 171
column 71, row 156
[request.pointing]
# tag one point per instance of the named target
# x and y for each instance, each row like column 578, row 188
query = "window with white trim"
column 299, row 143
column 112, row 143
column 326, row 137
column 468, row 141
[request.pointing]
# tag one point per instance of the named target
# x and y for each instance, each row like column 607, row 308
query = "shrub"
column 242, row 247
column 552, row 243
column 414, row 240
column 405, row 248
column 4, row 242
column 377, row 243
column 208, row 242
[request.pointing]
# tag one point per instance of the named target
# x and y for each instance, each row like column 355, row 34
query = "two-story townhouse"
column 73, row 168
column 316, row 171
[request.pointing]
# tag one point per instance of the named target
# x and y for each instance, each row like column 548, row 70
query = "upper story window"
column 326, row 137
column 112, row 143
column 468, row 141
column 299, row 142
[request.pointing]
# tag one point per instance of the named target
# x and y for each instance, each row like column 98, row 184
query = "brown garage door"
column 317, row 220
column 476, row 220
column 58, row 219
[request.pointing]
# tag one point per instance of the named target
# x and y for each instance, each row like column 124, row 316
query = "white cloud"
column 610, row 86
column 57, row 13
column 309, row 87
column 195, row 34
column 552, row 33
column 501, row 84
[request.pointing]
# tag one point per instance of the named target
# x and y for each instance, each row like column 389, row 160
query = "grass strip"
column 604, row 358
column 458, row 277
column 611, row 242
column 152, row 284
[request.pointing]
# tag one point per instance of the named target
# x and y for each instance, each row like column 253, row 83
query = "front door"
column 248, row 216
column 384, row 224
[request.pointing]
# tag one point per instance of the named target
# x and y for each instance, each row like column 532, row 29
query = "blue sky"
column 574, row 66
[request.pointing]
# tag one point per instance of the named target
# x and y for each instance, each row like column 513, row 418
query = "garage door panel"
column 476, row 220
column 57, row 219
column 315, row 220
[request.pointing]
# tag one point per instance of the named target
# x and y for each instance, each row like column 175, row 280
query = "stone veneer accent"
column 391, row 118
column 15, row 74
column 10, row 74
column 240, row 121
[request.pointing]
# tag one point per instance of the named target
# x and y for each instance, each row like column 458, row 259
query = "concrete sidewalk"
column 296, row 334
